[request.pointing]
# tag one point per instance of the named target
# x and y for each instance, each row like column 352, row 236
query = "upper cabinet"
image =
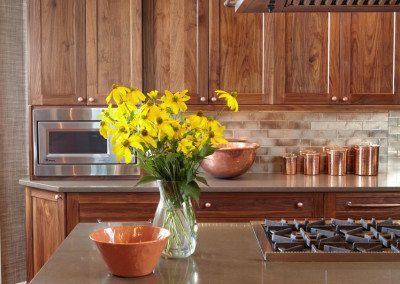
column 79, row 48
column 56, row 52
column 369, row 54
column 239, row 54
column 113, row 46
column 305, row 50
column 175, row 42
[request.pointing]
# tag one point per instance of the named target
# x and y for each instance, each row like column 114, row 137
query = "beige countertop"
column 245, row 183
column 226, row 253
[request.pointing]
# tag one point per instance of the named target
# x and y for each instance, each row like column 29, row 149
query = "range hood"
column 282, row 6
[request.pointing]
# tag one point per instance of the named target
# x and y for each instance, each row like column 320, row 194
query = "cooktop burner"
column 330, row 236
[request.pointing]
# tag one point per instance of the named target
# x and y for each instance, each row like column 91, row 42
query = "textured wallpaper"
column 13, row 138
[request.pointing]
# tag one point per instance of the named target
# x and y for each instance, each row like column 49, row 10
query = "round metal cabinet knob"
column 99, row 220
column 80, row 99
column 207, row 204
column 203, row 99
column 57, row 197
column 91, row 100
column 334, row 99
column 345, row 99
column 299, row 205
column 213, row 99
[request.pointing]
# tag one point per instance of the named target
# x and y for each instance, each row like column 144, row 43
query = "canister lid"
column 366, row 145
column 312, row 154
column 289, row 155
column 336, row 149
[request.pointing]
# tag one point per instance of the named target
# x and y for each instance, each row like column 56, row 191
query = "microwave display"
column 76, row 142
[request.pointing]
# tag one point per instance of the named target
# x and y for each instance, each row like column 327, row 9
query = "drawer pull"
column 299, row 204
column 350, row 204
column 207, row 204
column 58, row 197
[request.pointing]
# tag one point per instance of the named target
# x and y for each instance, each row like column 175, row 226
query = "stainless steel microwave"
column 67, row 142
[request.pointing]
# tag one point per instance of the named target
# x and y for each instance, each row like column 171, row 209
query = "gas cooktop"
column 329, row 240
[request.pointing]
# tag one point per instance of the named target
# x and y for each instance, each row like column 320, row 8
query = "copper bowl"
column 130, row 251
column 230, row 160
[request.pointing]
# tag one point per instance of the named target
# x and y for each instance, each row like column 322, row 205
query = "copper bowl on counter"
column 230, row 160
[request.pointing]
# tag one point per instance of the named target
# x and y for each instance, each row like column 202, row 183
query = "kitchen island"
column 226, row 253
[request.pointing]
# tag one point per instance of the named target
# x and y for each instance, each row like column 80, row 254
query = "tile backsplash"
column 287, row 132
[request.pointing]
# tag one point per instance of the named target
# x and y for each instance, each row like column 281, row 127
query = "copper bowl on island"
column 230, row 160
column 131, row 251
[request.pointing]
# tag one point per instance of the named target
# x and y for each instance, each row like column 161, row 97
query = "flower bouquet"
column 169, row 146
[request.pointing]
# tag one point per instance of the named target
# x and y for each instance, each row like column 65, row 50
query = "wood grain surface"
column 57, row 52
column 113, row 46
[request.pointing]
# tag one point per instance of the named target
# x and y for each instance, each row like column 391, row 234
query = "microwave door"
column 73, row 143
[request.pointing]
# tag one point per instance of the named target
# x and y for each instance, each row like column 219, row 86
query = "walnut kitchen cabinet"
column 45, row 227
column 370, row 58
column 78, row 49
column 380, row 205
column 306, row 52
column 175, row 40
column 240, row 55
column 113, row 46
column 56, row 34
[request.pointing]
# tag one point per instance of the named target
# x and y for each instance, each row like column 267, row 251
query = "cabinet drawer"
column 257, row 206
column 94, row 207
column 362, row 205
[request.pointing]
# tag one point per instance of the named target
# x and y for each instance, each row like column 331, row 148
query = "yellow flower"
column 153, row 94
column 163, row 126
column 175, row 102
column 230, row 99
column 105, row 129
column 197, row 120
column 121, row 131
column 186, row 146
column 118, row 94
column 216, row 136
column 178, row 130
column 147, row 137
column 149, row 110
column 134, row 97
column 123, row 147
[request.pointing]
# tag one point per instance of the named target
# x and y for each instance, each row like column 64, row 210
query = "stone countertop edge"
column 251, row 182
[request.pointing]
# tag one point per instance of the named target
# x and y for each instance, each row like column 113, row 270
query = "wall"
column 288, row 132
column 13, row 138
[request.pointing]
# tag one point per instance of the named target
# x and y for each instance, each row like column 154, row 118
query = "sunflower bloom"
column 216, row 136
column 230, row 99
column 118, row 94
column 175, row 102
column 186, row 146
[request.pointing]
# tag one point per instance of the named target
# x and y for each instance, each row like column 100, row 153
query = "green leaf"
column 202, row 180
column 207, row 150
column 192, row 190
column 146, row 179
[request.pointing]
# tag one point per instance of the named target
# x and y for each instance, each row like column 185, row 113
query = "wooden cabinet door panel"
column 98, row 207
column 362, row 205
column 370, row 57
column 57, row 52
column 45, row 223
column 258, row 206
column 238, row 54
column 113, row 46
column 307, row 51
column 175, row 34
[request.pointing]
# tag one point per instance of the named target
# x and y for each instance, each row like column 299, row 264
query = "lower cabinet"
column 379, row 205
column 50, row 216
column 45, row 227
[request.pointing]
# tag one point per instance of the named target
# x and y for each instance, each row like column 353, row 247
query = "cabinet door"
column 57, row 52
column 370, row 58
column 102, row 207
column 45, row 227
column 175, row 34
column 113, row 46
column 306, row 52
column 238, row 54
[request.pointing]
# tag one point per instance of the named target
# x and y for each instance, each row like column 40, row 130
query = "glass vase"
column 175, row 213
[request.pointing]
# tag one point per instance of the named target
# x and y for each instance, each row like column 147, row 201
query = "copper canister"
column 323, row 161
column 300, row 160
column 366, row 159
column 290, row 164
column 337, row 163
column 311, row 163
